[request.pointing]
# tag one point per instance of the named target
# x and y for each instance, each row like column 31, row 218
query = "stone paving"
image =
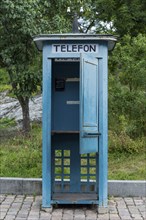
column 20, row 207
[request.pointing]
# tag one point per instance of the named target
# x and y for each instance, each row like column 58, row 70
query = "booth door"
column 88, row 104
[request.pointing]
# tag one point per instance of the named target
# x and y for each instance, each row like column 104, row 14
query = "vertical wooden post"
column 46, row 163
column 103, row 126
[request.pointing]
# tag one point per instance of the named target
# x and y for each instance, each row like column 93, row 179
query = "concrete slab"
column 33, row 186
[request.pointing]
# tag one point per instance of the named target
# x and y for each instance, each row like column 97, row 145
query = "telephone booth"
column 75, row 141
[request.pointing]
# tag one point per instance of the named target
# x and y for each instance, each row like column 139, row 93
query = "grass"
column 22, row 157
column 6, row 123
column 127, row 166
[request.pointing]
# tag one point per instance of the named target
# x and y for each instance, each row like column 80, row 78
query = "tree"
column 111, row 16
column 127, row 86
column 18, row 23
column 20, row 20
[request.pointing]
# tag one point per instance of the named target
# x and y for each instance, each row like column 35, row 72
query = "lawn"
column 22, row 157
column 127, row 166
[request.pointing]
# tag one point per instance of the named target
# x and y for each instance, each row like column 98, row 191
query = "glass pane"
column 83, row 178
column 67, row 177
column 83, row 162
column 66, row 153
column 83, row 170
column 58, row 170
column 66, row 170
column 92, row 178
column 92, row 162
column 57, row 161
column 66, row 161
column 92, row 170
column 57, row 177
column 58, row 153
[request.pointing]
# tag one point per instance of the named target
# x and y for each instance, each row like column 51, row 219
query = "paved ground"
column 29, row 208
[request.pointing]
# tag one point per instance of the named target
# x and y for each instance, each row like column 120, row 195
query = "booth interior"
column 73, row 174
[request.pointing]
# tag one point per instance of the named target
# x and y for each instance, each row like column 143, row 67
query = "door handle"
column 91, row 134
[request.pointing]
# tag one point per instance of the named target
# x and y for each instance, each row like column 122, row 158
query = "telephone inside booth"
column 75, row 140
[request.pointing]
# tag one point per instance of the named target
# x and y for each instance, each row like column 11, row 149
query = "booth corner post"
column 75, row 112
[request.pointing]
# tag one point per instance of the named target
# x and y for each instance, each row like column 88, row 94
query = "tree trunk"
column 24, row 102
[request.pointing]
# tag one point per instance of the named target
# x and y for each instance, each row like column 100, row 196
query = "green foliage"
column 128, row 62
column 129, row 17
column 6, row 123
column 4, row 80
column 4, row 77
column 127, row 87
column 18, row 24
column 27, row 83
column 126, row 109
column 123, row 143
column 5, row 87
column 53, row 17
column 21, row 156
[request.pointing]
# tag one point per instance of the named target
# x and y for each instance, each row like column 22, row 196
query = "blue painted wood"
column 46, row 120
column 57, row 115
column 88, row 104
column 65, row 55
column 103, row 126
column 78, row 180
column 68, row 56
column 67, row 142
column 75, row 166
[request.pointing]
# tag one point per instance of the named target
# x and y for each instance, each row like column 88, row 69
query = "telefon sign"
column 74, row 48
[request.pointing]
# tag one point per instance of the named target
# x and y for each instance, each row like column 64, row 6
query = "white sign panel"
column 74, row 48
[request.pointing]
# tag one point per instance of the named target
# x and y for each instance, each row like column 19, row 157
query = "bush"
column 123, row 143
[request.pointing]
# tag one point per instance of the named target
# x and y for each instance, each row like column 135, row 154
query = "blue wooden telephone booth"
column 75, row 141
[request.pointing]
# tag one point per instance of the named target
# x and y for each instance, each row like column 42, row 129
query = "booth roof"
column 63, row 38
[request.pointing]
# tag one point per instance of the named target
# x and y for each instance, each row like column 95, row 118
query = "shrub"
column 123, row 143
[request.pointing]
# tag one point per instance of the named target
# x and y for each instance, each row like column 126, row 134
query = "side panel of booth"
column 103, row 125
column 46, row 124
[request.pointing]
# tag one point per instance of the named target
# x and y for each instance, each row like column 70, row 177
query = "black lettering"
column 74, row 48
column 93, row 48
column 80, row 47
column 56, row 47
column 68, row 50
column 63, row 48
column 86, row 48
